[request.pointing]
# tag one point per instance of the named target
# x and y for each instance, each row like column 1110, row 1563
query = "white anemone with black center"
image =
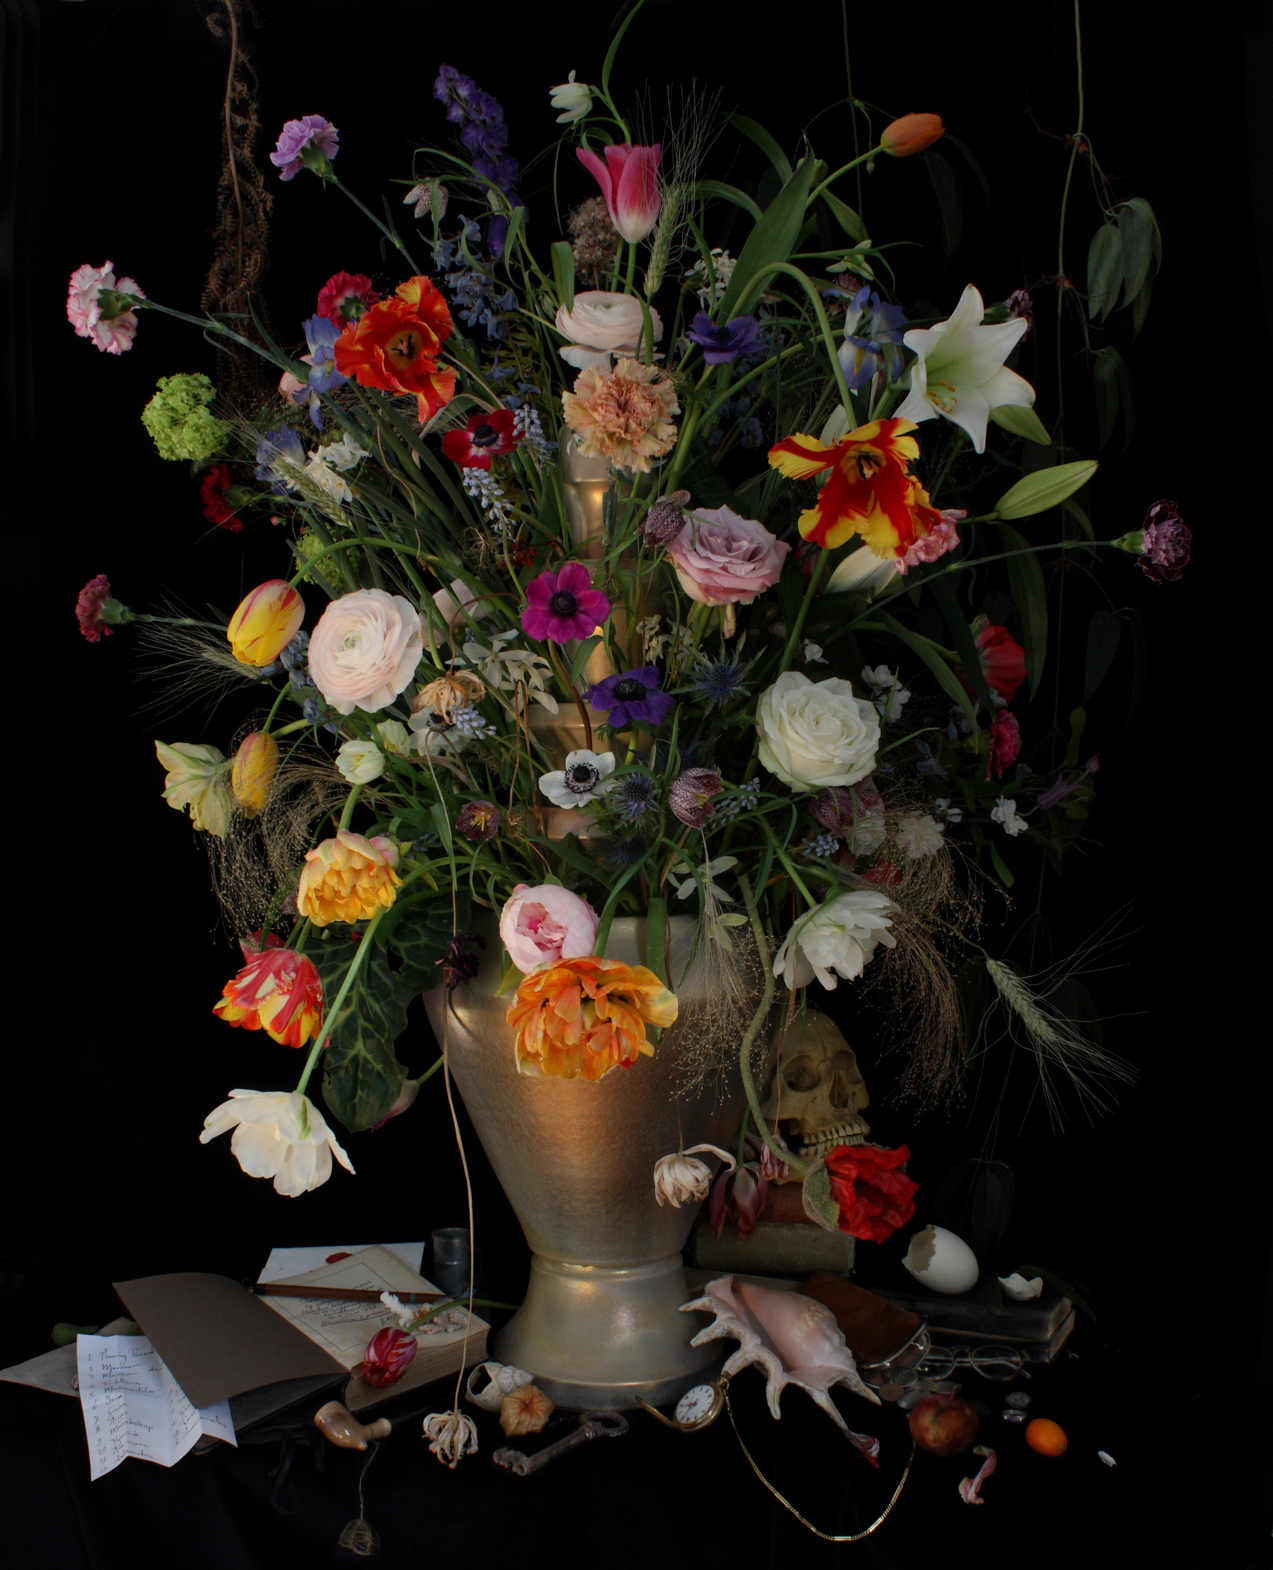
column 584, row 778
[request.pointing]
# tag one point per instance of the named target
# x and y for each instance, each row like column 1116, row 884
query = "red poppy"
column 482, row 438
column 395, row 347
column 216, row 509
column 1002, row 660
column 875, row 1197
column 345, row 297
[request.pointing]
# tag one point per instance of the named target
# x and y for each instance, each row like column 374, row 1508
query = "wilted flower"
column 388, row 1356
column 583, row 1017
column 546, row 924
column 277, row 1135
column 583, row 779
column 1004, row 812
column 679, row 1178
column 738, row 1195
column 629, row 183
column 451, row 1436
column 911, row 134
column 919, row 834
column 478, row 820
column 252, row 777
column 524, row 1411
column 689, row 796
column 96, row 309
column 348, row 878
column 573, row 98
column 310, row 141
column 277, row 991
column 1166, row 543
column 634, row 695
column 563, row 606
column 1005, row 744
column 624, row 415
column 455, row 689
column 875, row 1197
column 942, row 537
column 1020, row 308
column 265, row 623
column 840, row 936
column 461, row 962
column 196, row 779
column 360, row 762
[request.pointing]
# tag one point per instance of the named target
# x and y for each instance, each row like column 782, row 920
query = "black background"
column 115, row 952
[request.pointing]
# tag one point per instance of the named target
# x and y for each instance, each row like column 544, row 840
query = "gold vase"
column 600, row 1323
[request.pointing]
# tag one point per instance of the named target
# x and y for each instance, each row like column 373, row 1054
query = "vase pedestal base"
column 599, row 1337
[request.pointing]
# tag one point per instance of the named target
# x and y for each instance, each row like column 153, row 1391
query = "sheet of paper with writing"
column 133, row 1406
column 284, row 1263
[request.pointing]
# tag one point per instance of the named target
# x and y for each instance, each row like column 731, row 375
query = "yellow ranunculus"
column 265, row 623
column 252, row 778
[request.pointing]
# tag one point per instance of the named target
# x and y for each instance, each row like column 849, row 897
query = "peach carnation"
column 583, row 1017
column 624, row 415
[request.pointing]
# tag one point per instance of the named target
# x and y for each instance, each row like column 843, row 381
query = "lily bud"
column 265, row 623
column 1044, row 488
column 255, row 766
column 911, row 134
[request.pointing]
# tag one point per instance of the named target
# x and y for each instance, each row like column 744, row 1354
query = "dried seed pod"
column 524, row 1411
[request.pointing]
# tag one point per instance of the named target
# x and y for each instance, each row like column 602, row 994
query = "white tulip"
column 277, row 1135
column 360, row 762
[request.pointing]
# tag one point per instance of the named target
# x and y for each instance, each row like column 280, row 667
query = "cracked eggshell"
column 1019, row 1289
column 942, row 1262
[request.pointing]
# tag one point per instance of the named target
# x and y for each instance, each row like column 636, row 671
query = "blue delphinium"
column 484, row 136
column 475, row 296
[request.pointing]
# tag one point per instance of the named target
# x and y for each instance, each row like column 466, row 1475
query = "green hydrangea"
column 179, row 420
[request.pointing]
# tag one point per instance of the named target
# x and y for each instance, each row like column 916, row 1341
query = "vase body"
column 600, row 1324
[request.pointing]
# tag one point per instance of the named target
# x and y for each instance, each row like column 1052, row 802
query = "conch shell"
column 793, row 1339
column 502, row 1379
column 524, row 1411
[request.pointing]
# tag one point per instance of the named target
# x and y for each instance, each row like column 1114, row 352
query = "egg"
column 941, row 1261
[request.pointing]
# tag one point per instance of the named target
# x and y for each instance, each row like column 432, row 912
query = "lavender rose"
column 722, row 559
column 546, row 923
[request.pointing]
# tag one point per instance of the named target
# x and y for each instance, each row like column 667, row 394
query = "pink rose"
column 546, row 923
column 722, row 559
column 364, row 650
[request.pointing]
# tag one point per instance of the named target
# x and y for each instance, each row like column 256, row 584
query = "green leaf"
column 613, row 50
column 515, row 226
column 772, row 240
column 1001, row 869
column 1030, row 596
column 949, row 683
column 1113, row 394
column 1021, row 422
column 656, row 937
column 1136, row 228
column 847, row 219
column 1103, row 634
column 976, row 993
column 1140, row 309
column 819, row 1203
column 943, row 591
column 1078, row 724
column 1104, row 271
column 992, row 1202
column 564, row 273
column 586, row 646
column 757, row 133
column 1140, row 658
column 729, row 193
column 950, row 200
column 1045, row 488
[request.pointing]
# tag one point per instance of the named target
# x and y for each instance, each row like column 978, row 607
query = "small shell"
column 524, row 1411
column 502, row 1379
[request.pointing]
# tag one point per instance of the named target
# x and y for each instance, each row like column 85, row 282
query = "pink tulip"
column 629, row 183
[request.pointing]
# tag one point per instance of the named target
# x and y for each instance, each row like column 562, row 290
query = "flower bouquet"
column 647, row 650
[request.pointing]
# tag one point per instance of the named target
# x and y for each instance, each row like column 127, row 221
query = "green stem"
column 862, row 158
column 393, row 239
column 329, row 1014
column 358, row 543
column 351, row 801
column 430, row 1072
column 815, row 578
column 265, row 729
column 1075, row 143
column 758, row 1019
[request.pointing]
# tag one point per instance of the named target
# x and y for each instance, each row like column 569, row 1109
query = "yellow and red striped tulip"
column 348, row 878
column 869, row 490
column 265, row 623
column 911, row 134
column 252, row 778
column 277, row 991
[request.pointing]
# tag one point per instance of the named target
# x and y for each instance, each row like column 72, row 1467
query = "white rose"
column 364, row 650
column 840, row 936
column 814, row 734
column 360, row 762
column 600, row 320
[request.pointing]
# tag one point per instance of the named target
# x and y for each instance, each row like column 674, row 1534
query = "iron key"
column 592, row 1425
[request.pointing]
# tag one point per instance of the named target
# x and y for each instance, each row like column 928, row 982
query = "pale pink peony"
column 546, row 923
column 722, row 559
column 113, row 334
column 365, row 649
column 625, row 415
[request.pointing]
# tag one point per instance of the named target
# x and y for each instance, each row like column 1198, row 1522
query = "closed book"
column 965, row 1317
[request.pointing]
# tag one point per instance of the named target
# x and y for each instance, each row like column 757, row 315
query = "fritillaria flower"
column 874, row 1195
column 665, row 519
column 689, row 796
column 680, row 1178
column 348, row 878
column 479, row 820
column 388, row 1355
column 310, row 142
column 723, row 345
column 277, row 991
column 634, row 695
column 580, row 1018
column 484, row 437
column 629, row 183
column 460, row 963
column 277, row 1135
column 563, row 606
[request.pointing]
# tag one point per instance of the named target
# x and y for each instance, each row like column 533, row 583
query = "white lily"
column 502, row 669
column 960, row 373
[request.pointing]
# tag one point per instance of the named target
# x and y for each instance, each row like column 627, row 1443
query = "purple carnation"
column 1166, row 545
column 563, row 606
column 1020, row 308
column 632, row 696
column 311, row 131
column 721, row 345
column 690, row 795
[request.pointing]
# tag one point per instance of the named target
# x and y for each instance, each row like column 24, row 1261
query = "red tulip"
column 388, row 1354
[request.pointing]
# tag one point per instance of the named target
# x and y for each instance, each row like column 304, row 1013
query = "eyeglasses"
column 996, row 1363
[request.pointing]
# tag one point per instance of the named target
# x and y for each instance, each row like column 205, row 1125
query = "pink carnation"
column 111, row 334
column 546, row 923
column 939, row 539
column 722, row 559
column 1005, row 744
column 88, row 608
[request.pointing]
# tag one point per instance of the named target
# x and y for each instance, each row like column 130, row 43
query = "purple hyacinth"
column 310, row 141
column 1167, row 542
column 722, row 345
column 634, row 695
column 872, row 331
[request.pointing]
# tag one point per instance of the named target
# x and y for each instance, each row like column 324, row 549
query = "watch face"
column 695, row 1404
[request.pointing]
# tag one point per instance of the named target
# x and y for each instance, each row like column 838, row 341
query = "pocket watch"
column 698, row 1408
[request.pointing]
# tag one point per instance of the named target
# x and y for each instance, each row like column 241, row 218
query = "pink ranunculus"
column 546, row 923
column 600, row 320
column 629, row 183
column 365, row 649
column 111, row 334
column 722, row 559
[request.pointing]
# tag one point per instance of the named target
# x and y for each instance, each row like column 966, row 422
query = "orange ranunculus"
column 869, row 490
column 348, row 878
column 277, row 991
column 252, row 778
column 395, row 346
column 583, row 1017
column 911, row 134
column 265, row 623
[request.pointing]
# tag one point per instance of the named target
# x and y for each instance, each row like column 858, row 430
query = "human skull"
column 817, row 1090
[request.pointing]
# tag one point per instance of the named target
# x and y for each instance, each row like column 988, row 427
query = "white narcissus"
column 277, row 1135
column 840, row 936
column 960, row 373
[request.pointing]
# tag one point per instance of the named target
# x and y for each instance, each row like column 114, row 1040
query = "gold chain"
column 827, row 1537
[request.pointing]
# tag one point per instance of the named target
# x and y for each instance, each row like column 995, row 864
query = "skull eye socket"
column 802, row 1074
column 844, row 1078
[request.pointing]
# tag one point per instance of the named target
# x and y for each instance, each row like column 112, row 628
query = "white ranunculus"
column 198, row 777
column 599, row 320
column 360, row 762
column 277, row 1135
column 815, row 734
column 365, row 649
column 919, row 834
column 840, row 937
column 573, row 98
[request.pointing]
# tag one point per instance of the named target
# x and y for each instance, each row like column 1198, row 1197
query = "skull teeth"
column 850, row 1133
